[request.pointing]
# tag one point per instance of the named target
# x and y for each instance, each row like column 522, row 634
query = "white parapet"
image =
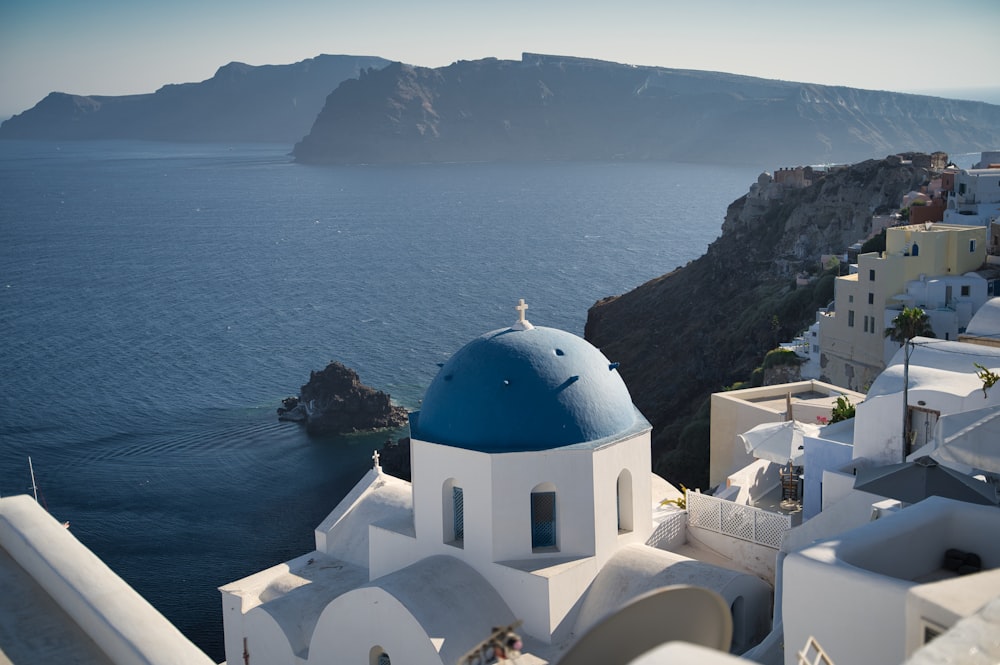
column 123, row 625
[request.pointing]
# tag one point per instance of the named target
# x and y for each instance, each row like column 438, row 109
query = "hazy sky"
column 114, row 47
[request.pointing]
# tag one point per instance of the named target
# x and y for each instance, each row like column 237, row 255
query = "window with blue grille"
column 383, row 659
column 458, row 503
column 543, row 519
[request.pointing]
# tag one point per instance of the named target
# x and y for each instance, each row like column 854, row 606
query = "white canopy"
column 779, row 442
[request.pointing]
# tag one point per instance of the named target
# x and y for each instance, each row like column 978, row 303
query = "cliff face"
column 693, row 331
column 558, row 108
column 240, row 103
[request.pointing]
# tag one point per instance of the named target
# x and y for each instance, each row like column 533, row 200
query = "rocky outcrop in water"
column 561, row 108
column 334, row 401
column 707, row 325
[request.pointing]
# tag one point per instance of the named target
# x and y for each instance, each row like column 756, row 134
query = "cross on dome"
column 522, row 323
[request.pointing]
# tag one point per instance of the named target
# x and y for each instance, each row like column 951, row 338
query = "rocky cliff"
column 702, row 327
column 270, row 103
column 560, row 108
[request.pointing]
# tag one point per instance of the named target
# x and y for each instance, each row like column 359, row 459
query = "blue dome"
column 515, row 390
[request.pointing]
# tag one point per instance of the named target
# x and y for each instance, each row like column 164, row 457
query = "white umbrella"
column 778, row 442
column 971, row 438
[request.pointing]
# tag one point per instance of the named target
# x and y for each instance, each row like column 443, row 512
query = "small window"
column 543, row 520
column 624, row 492
column 458, row 501
column 378, row 656
column 850, row 298
column 850, row 318
column 972, row 245
column 871, row 298
column 866, row 323
column 453, row 513
column 871, row 275
column 966, row 289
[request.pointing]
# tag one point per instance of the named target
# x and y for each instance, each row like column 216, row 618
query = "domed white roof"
column 525, row 388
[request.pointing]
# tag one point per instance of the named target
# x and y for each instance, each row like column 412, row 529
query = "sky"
column 116, row 47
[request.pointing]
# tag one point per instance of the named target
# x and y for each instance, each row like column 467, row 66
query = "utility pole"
column 907, row 350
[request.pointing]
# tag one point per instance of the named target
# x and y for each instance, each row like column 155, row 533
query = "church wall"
column 390, row 551
column 608, row 462
column 515, row 475
column 433, row 465
column 266, row 642
column 541, row 601
column 357, row 621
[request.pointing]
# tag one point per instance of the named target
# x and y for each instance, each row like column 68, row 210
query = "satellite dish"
column 681, row 612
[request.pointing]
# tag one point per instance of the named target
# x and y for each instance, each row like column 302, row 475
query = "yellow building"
column 925, row 265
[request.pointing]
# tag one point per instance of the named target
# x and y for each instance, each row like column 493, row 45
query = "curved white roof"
column 525, row 388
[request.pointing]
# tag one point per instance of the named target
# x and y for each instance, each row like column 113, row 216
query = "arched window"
column 543, row 517
column 378, row 656
column 916, row 250
column 624, row 501
column 453, row 513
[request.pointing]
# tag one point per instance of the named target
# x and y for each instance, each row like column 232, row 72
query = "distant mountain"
column 561, row 108
column 269, row 103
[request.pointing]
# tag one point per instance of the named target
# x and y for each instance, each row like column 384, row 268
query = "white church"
column 532, row 501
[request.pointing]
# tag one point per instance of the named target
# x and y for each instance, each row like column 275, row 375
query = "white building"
column 930, row 266
column 879, row 592
column 532, row 500
column 976, row 197
column 866, row 575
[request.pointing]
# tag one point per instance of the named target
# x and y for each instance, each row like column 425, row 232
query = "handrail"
column 737, row 520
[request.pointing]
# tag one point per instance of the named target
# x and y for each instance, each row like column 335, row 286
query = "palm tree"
column 911, row 322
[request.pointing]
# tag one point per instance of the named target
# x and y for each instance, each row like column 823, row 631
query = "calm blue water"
column 157, row 301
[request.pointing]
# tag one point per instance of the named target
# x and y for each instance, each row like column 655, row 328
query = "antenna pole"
column 34, row 487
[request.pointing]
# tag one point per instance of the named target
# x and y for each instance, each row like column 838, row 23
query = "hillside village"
column 851, row 514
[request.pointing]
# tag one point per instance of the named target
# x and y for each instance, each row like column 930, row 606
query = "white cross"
column 521, row 309
column 375, row 457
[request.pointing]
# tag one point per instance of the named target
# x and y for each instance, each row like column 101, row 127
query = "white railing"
column 737, row 520
column 669, row 532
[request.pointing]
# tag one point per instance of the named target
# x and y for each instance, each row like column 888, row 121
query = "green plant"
column 680, row 502
column 987, row 377
column 843, row 410
column 776, row 357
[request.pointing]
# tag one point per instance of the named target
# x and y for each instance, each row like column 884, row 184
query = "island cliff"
column 703, row 327
column 334, row 401
column 561, row 108
column 269, row 103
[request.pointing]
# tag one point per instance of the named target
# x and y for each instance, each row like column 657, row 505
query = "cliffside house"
column 974, row 195
column 931, row 266
column 736, row 411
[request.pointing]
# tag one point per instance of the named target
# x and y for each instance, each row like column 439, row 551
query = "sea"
column 157, row 301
